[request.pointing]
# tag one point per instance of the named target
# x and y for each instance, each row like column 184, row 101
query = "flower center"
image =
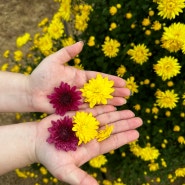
column 64, row 133
column 65, row 98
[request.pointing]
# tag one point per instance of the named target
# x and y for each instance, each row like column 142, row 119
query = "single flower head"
column 65, row 98
column 61, row 134
column 105, row 133
column 86, row 126
column 98, row 90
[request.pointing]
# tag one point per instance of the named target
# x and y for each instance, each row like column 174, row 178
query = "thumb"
column 76, row 176
column 67, row 53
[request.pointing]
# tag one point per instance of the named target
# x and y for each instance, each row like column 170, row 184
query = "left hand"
column 52, row 70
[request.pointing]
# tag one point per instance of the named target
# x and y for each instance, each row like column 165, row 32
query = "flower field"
column 144, row 43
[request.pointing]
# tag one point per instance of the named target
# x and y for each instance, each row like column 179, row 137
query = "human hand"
column 52, row 70
column 65, row 165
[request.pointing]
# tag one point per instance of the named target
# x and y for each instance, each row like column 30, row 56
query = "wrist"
column 17, row 143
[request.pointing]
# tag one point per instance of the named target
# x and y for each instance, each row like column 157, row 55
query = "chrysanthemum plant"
column 144, row 43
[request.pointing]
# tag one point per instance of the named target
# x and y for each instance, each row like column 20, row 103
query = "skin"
column 25, row 143
column 20, row 93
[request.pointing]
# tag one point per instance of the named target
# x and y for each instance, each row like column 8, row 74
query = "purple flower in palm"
column 62, row 136
column 65, row 98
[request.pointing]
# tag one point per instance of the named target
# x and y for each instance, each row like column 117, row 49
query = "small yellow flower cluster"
column 147, row 153
column 82, row 16
column 22, row 40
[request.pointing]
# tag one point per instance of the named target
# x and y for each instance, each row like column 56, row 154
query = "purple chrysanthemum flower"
column 65, row 98
column 62, row 135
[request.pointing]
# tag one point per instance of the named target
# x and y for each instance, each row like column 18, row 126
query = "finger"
column 100, row 109
column 117, row 101
column 117, row 140
column 75, row 176
column 97, row 110
column 121, row 92
column 111, row 117
column 118, row 82
column 125, row 125
column 113, row 142
column 65, row 54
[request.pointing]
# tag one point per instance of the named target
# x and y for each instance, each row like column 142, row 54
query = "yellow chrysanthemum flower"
column 173, row 37
column 110, row 47
column 153, row 166
column 170, row 8
column 139, row 53
column 43, row 22
column 131, row 84
column 98, row 90
column 6, row 53
column 82, row 18
column 105, row 133
column 45, row 44
column 4, row 67
column 56, row 29
column 91, row 41
column 156, row 25
column 149, row 153
column 98, row 161
column 146, row 22
column 113, row 10
column 86, row 127
column 167, row 99
column 180, row 172
column 21, row 174
column 18, row 55
column 65, row 9
column 121, row 71
column 68, row 41
column 22, row 40
column 167, row 67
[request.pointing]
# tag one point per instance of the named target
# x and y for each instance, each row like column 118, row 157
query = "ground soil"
column 16, row 18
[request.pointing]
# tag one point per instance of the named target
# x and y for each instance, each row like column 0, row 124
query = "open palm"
column 52, row 70
column 65, row 165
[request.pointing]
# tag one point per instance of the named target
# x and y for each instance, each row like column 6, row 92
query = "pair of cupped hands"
column 65, row 166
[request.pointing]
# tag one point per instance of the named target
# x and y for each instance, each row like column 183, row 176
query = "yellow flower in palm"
column 105, row 133
column 98, row 161
column 139, row 53
column 167, row 67
column 131, row 84
column 167, row 99
column 110, row 47
column 173, row 37
column 86, row 126
column 170, row 8
column 98, row 90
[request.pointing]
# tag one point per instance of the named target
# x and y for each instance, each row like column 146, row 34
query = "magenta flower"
column 62, row 136
column 64, row 98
